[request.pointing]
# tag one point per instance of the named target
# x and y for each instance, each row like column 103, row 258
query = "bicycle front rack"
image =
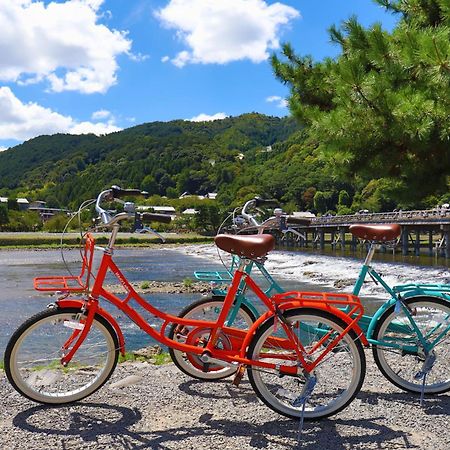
column 78, row 283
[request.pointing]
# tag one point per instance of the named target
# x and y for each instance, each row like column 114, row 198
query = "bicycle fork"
column 81, row 330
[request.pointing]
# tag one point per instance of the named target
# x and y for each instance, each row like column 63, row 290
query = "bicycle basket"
column 78, row 283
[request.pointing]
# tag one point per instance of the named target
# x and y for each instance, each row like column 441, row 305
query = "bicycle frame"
column 366, row 323
column 369, row 323
column 275, row 305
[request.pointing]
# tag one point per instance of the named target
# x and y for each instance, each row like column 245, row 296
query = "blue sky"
column 102, row 65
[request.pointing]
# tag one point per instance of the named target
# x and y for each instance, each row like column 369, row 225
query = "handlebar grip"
column 293, row 220
column 118, row 192
column 272, row 202
column 150, row 217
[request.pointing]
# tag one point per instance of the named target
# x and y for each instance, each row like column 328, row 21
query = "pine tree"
column 381, row 109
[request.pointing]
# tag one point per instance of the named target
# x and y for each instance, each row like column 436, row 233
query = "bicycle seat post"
column 370, row 254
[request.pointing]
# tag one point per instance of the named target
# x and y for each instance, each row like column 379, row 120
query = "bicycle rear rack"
column 348, row 304
column 78, row 283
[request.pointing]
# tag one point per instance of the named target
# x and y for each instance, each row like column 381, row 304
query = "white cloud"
column 221, row 31
column 21, row 121
column 2, row 149
column 101, row 114
column 60, row 42
column 208, row 118
column 164, row 59
column 280, row 101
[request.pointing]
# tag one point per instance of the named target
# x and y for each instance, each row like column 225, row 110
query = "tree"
column 320, row 202
column 344, row 199
column 381, row 109
column 4, row 219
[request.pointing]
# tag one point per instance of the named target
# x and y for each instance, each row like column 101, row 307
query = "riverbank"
column 43, row 240
column 157, row 407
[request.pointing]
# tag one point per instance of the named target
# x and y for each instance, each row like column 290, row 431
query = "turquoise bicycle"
column 409, row 333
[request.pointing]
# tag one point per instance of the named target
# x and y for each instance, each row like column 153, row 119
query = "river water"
column 294, row 270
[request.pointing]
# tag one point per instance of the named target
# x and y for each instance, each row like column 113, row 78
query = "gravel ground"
column 145, row 406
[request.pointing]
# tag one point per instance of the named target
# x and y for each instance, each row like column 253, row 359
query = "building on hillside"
column 190, row 212
column 44, row 212
column 23, row 203
column 211, row 195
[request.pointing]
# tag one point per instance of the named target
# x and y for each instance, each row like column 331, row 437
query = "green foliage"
column 4, row 218
column 381, row 109
column 56, row 223
column 23, row 221
column 208, row 218
column 344, row 199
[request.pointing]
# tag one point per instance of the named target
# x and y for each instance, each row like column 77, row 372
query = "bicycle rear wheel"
column 33, row 354
column 431, row 315
column 339, row 376
column 205, row 309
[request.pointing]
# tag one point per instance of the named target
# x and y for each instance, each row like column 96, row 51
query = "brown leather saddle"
column 378, row 233
column 251, row 246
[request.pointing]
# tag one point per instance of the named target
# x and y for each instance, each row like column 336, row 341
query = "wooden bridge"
column 423, row 232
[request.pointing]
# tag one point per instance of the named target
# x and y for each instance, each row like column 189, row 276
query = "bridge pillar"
column 405, row 241
column 446, row 231
column 417, row 243
column 354, row 243
column 322, row 239
column 430, row 242
column 342, row 233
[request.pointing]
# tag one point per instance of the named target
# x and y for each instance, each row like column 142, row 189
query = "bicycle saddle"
column 387, row 232
column 252, row 246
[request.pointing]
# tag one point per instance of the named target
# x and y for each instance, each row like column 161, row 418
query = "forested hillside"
column 163, row 158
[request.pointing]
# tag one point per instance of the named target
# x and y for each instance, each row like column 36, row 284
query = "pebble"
column 164, row 409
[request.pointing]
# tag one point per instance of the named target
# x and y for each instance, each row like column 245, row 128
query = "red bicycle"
column 70, row 350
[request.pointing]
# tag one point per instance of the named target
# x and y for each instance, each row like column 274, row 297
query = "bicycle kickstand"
column 302, row 399
column 428, row 364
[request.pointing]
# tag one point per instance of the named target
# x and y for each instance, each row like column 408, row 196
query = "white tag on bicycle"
column 74, row 325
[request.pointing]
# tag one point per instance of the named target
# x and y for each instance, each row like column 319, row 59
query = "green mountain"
column 165, row 158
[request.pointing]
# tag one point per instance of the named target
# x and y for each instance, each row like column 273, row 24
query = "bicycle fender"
column 330, row 309
column 75, row 303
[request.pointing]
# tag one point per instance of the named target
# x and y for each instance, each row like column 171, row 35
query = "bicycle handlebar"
column 115, row 193
column 280, row 220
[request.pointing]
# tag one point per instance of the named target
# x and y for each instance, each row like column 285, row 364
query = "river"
column 294, row 270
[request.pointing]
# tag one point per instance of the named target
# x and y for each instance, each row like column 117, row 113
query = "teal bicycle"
column 409, row 334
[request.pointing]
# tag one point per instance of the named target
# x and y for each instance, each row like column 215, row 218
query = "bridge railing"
column 415, row 216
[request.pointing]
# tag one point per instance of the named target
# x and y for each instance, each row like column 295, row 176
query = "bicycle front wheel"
column 431, row 315
column 33, row 354
column 339, row 376
column 207, row 309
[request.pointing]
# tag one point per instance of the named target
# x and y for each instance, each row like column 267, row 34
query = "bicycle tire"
column 190, row 363
column 399, row 368
column 32, row 357
column 339, row 375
